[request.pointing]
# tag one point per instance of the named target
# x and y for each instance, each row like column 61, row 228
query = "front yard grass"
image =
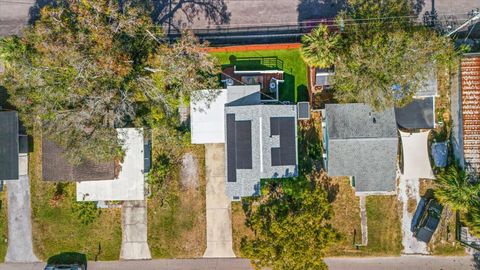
column 294, row 88
column 177, row 217
column 57, row 229
column 384, row 226
column 383, row 221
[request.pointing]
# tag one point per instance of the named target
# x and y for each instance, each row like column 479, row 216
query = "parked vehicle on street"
column 65, row 267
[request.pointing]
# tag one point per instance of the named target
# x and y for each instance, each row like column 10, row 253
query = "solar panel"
column 286, row 153
column 303, row 109
column 239, row 146
column 231, row 147
column 243, row 139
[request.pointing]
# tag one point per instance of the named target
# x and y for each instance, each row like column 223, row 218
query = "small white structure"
column 130, row 184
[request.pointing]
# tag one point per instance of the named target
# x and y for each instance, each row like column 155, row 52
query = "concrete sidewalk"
column 20, row 246
column 219, row 223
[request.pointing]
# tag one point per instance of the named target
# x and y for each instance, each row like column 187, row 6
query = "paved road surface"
column 219, row 224
column 403, row 263
column 20, row 246
column 386, row 263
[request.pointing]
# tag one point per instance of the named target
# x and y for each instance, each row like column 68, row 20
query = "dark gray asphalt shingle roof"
column 56, row 168
column 362, row 147
column 8, row 145
column 418, row 114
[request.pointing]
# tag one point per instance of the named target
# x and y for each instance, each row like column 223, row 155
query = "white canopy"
column 416, row 163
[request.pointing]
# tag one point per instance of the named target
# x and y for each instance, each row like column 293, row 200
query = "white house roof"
column 207, row 117
column 130, row 184
column 207, row 120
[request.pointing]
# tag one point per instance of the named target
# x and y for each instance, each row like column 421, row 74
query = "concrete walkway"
column 134, row 231
column 363, row 220
column 219, row 224
column 20, row 246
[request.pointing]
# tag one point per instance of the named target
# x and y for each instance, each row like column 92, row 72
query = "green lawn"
column 384, row 231
column 56, row 228
column 295, row 87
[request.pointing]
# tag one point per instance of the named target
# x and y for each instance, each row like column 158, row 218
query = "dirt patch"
column 189, row 171
column 425, row 186
column 346, row 219
column 240, row 230
column 260, row 47
column 411, row 205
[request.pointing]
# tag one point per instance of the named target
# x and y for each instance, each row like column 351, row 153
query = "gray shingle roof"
column 355, row 120
column 8, row 145
column 363, row 144
column 56, row 168
column 263, row 145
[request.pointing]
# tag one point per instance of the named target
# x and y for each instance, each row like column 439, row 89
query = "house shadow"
column 68, row 258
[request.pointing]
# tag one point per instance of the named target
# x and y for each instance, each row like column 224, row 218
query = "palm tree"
column 455, row 189
column 319, row 48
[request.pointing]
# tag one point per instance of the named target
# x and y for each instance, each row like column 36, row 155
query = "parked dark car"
column 428, row 222
column 67, row 261
column 65, row 267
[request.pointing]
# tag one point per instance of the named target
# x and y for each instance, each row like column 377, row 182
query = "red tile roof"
column 470, row 89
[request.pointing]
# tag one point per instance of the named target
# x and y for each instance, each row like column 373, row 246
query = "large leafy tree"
column 457, row 189
column 88, row 66
column 381, row 56
column 290, row 222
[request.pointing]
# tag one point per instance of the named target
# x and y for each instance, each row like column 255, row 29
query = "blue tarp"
column 440, row 154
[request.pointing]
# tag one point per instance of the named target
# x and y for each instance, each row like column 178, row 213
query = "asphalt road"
column 374, row 263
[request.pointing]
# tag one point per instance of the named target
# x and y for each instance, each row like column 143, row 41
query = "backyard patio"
column 293, row 89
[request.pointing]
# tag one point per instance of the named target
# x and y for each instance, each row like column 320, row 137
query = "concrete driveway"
column 219, row 223
column 134, row 231
column 20, row 246
column 416, row 165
